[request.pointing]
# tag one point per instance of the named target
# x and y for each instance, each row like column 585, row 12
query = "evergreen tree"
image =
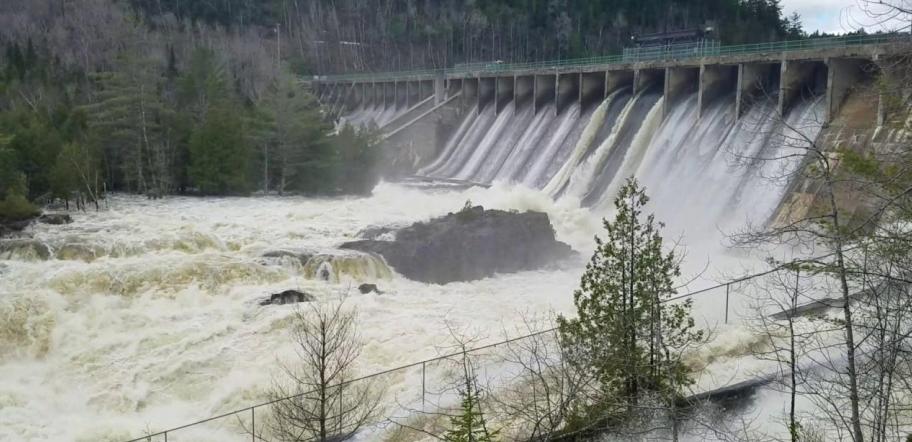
column 624, row 333
column 359, row 153
column 470, row 424
column 218, row 153
column 128, row 116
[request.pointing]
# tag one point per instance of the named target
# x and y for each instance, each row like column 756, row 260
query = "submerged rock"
column 55, row 218
column 472, row 244
column 24, row 250
column 288, row 297
column 367, row 288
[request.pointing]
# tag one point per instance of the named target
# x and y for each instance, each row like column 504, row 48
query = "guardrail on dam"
column 788, row 69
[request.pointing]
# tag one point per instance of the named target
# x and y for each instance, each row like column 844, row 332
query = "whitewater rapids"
column 146, row 312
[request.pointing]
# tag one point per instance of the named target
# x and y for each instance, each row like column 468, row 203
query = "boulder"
column 288, row 297
column 367, row 288
column 472, row 244
column 55, row 219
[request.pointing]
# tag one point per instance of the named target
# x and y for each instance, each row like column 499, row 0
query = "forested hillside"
column 377, row 35
column 174, row 96
column 95, row 98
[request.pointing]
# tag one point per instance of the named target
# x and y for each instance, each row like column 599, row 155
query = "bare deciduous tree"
column 314, row 398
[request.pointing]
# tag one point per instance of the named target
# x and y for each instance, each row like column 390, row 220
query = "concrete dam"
column 713, row 135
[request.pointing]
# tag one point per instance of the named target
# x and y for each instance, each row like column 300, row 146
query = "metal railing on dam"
column 641, row 55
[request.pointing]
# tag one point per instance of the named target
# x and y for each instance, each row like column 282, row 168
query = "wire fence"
column 423, row 384
column 632, row 55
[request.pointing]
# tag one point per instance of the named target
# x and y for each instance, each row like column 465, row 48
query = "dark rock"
column 55, row 219
column 469, row 245
column 374, row 232
column 367, row 288
column 288, row 297
column 10, row 228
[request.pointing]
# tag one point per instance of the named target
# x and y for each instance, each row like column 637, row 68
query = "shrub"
column 17, row 208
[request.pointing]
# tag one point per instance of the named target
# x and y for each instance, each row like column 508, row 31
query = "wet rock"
column 10, row 229
column 472, row 244
column 55, row 219
column 288, row 297
column 24, row 250
column 301, row 256
column 368, row 288
column 376, row 232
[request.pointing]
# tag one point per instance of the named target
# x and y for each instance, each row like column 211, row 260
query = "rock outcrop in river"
column 472, row 244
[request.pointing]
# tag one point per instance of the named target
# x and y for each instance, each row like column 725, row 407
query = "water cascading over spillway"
column 716, row 172
column 701, row 173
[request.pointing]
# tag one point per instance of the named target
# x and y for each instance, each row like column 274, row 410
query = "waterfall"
column 490, row 140
column 559, row 130
column 509, row 141
column 526, row 145
column 582, row 147
column 452, row 143
column 645, row 105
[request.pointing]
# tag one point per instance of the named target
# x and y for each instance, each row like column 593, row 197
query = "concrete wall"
column 715, row 81
column 426, row 89
column 754, row 79
column 799, row 80
column 593, row 86
column 679, row 82
column 401, row 95
column 523, row 89
column 389, row 95
column 470, row 92
column 643, row 78
column 417, row 143
column 891, row 103
column 568, row 87
column 544, row 91
column 617, row 80
column 413, row 93
column 486, row 91
column 842, row 75
column 406, row 117
column 504, row 92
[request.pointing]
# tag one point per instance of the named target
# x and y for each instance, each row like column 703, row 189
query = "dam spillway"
column 692, row 129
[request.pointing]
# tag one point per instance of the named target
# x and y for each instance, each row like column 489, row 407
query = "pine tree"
column 624, row 333
column 300, row 155
column 470, row 424
column 218, row 153
column 128, row 114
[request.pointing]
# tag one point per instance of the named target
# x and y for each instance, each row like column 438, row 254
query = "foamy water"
column 146, row 314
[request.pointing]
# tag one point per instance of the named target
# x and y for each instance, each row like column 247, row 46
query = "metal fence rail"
column 633, row 55
column 249, row 413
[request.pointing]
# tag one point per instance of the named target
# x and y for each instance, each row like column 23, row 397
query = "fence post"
column 727, row 290
column 253, row 423
column 422, row 385
column 166, row 436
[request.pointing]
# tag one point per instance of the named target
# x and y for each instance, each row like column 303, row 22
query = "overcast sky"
column 831, row 15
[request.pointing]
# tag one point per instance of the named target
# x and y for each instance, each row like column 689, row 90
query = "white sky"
column 840, row 15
